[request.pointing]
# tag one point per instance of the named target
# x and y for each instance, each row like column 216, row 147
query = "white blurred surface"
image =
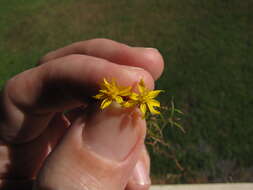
column 222, row 186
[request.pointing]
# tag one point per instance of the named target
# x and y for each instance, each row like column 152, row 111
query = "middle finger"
column 147, row 58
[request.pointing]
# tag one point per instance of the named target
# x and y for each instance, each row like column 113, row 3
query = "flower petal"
column 119, row 99
column 105, row 103
column 125, row 91
column 141, row 87
column 154, row 103
column 106, row 84
column 134, row 96
column 103, row 91
column 143, row 109
column 99, row 96
column 154, row 93
column 151, row 109
column 129, row 104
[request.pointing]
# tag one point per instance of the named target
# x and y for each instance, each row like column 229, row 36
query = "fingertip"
column 152, row 61
column 140, row 179
column 133, row 75
column 135, row 186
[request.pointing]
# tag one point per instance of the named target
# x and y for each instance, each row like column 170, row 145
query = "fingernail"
column 153, row 49
column 132, row 68
column 140, row 177
column 113, row 132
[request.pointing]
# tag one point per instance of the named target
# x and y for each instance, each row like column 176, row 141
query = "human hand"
column 84, row 148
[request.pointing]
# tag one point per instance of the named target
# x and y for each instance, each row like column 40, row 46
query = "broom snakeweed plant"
column 157, row 121
column 111, row 91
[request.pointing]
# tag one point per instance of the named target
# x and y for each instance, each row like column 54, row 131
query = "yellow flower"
column 110, row 92
column 145, row 99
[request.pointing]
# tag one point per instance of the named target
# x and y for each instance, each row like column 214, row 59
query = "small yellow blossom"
column 110, row 92
column 145, row 99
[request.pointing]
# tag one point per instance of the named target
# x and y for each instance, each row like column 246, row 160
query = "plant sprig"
column 144, row 99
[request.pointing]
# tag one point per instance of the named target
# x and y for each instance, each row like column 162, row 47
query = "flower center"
column 143, row 98
column 113, row 94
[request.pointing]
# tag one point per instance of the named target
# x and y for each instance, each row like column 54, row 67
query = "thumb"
column 98, row 152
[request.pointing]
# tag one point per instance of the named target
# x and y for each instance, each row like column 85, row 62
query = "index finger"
column 31, row 98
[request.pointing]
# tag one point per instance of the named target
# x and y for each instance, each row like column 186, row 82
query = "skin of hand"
column 52, row 134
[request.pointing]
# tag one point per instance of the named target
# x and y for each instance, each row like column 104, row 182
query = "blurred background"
column 207, row 46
